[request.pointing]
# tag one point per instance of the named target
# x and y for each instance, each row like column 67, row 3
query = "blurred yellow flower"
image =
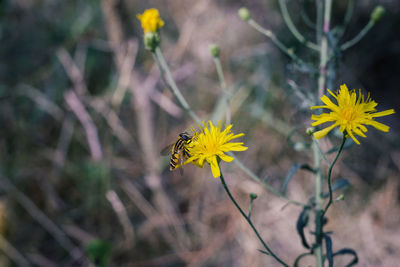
column 210, row 144
column 151, row 20
column 350, row 114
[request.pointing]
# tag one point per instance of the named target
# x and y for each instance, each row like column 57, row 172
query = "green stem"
column 330, row 174
column 250, row 207
column 293, row 29
column 347, row 16
column 275, row 40
column 319, row 6
column 358, row 37
column 323, row 31
column 324, row 48
column 349, row 13
column 224, row 88
column 171, row 85
column 318, row 206
column 250, row 223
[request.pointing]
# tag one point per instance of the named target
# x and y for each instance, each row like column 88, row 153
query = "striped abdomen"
column 179, row 151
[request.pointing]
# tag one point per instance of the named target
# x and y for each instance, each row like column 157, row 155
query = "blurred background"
column 84, row 116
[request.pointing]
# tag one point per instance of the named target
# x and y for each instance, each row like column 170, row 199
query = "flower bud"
column 377, row 13
column 244, row 13
column 214, row 50
column 310, row 131
column 151, row 41
column 253, row 196
column 340, row 197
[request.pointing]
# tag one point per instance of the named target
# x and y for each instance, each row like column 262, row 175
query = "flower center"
column 212, row 147
column 348, row 114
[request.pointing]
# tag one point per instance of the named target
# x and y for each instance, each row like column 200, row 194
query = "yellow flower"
column 210, row 144
column 350, row 114
column 151, row 20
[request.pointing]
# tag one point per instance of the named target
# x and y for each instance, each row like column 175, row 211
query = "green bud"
column 151, row 41
column 253, row 196
column 310, row 131
column 214, row 50
column 244, row 13
column 377, row 13
column 341, row 197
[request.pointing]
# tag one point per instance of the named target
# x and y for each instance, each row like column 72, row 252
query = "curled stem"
column 330, row 174
column 250, row 223
column 292, row 27
column 358, row 37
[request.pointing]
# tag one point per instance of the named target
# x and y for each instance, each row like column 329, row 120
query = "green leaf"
column 296, row 262
column 345, row 251
column 264, row 252
column 302, row 222
column 328, row 245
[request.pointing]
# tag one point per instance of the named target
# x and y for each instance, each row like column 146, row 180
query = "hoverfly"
column 179, row 151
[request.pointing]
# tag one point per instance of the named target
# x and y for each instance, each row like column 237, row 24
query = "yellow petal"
column 315, row 107
column 332, row 94
column 224, row 157
column 233, row 147
column 352, row 136
column 323, row 132
column 383, row 113
column 214, row 166
column 319, row 119
column 380, row 126
column 329, row 103
column 197, row 163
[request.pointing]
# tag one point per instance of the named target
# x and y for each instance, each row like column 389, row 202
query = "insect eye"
column 184, row 136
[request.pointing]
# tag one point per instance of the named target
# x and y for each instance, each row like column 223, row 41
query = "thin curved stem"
column 347, row 16
column 170, row 83
column 330, row 174
column 275, row 40
column 250, row 223
column 220, row 73
column 224, row 88
column 358, row 37
column 293, row 29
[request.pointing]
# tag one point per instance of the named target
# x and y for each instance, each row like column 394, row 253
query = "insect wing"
column 181, row 161
column 181, row 171
column 167, row 150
